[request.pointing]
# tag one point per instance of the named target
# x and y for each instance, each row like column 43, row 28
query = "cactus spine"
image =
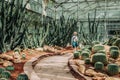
column 112, row 69
column 99, row 66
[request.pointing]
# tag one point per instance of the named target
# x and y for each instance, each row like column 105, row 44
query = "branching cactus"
column 112, row 69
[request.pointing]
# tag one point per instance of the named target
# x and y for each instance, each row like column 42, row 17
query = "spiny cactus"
column 3, row 79
column 22, row 76
column 2, row 70
column 99, row 66
column 87, row 61
column 113, row 48
column 10, row 68
column 6, row 74
column 85, row 55
column 102, row 51
column 117, row 43
column 95, row 42
column 112, row 69
column 99, row 57
column 98, row 47
column 85, row 49
column 114, row 54
column 76, row 54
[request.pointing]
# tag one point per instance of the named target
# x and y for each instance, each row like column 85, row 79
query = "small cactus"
column 99, row 66
column 85, row 55
column 95, row 42
column 3, row 79
column 22, row 76
column 99, row 57
column 98, row 47
column 102, row 51
column 76, row 54
column 114, row 54
column 6, row 74
column 112, row 69
column 87, row 61
column 113, row 48
column 2, row 70
column 10, row 68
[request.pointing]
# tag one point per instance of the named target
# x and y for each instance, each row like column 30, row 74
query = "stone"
column 90, row 72
column 16, row 55
column 79, row 62
column 6, row 57
column 98, row 78
column 48, row 49
column 39, row 49
column 72, row 62
column 81, row 69
column 1, row 61
column 7, row 63
column 112, row 78
column 100, row 75
column 17, row 60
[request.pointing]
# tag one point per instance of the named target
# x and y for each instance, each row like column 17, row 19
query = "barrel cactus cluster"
column 100, row 59
column 4, row 74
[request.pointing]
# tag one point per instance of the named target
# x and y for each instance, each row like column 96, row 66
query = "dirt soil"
column 30, row 54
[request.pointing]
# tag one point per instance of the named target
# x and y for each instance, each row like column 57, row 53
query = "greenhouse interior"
column 59, row 39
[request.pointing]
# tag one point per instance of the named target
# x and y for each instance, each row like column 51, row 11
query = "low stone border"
column 75, row 72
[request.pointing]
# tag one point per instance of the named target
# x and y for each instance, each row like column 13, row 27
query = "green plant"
column 3, row 79
column 113, row 48
column 99, row 57
column 112, row 69
column 95, row 42
column 87, row 61
column 117, row 43
column 98, row 47
column 99, row 66
column 6, row 74
column 10, row 68
column 85, row 49
column 85, row 55
column 102, row 51
column 22, row 76
column 114, row 54
column 76, row 54
column 2, row 70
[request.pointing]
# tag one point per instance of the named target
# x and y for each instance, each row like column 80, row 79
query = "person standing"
column 74, row 41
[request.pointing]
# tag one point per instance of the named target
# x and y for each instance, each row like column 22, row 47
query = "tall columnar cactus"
column 98, row 47
column 6, row 74
column 99, row 66
column 99, row 57
column 114, row 54
column 113, row 48
column 22, row 76
column 112, row 69
column 85, row 55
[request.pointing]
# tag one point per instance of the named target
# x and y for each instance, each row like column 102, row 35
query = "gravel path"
column 54, row 68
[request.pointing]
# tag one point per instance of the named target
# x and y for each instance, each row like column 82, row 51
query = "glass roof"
column 78, row 8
